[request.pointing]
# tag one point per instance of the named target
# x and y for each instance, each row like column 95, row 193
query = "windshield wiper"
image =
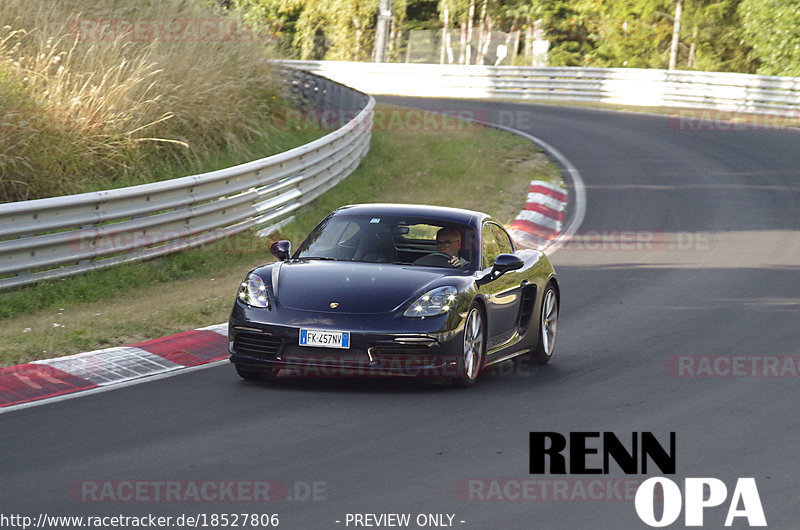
column 326, row 258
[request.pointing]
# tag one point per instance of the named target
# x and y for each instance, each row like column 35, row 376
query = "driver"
column 448, row 241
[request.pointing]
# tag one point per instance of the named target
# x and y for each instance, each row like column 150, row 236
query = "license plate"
column 325, row 339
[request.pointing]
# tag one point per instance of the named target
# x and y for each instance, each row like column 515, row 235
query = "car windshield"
column 392, row 239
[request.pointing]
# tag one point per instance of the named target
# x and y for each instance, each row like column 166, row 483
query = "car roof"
column 441, row 213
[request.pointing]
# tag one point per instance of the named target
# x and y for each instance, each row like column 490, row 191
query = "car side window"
column 502, row 239
column 495, row 241
column 490, row 247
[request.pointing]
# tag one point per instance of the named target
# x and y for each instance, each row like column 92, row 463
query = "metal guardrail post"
column 730, row 92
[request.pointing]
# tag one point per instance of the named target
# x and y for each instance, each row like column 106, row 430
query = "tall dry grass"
column 94, row 95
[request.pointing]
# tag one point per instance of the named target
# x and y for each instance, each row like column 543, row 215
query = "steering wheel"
column 435, row 259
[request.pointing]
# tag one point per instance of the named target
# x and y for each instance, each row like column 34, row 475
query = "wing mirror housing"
column 281, row 249
column 506, row 262
column 502, row 264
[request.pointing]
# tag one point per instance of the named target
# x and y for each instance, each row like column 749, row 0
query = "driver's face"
column 449, row 244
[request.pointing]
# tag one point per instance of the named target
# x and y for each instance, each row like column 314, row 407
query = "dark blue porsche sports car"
column 395, row 289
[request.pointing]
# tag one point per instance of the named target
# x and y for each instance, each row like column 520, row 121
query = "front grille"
column 256, row 344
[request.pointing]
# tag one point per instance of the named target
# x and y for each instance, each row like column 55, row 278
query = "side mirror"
column 281, row 249
column 506, row 262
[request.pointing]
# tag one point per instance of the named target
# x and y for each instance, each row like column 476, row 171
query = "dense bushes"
column 97, row 94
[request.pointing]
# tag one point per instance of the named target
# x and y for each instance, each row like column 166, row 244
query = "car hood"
column 355, row 287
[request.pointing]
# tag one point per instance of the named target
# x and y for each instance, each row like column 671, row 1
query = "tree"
column 633, row 33
column 335, row 29
column 726, row 35
column 275, row 17
column 772, row 28
column 714, row 36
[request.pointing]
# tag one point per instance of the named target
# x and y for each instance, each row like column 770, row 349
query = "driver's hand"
column 455, row 261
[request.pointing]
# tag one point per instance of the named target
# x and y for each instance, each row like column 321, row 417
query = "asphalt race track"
column 688, row 253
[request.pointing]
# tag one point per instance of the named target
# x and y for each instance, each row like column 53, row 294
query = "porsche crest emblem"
column 334, row 305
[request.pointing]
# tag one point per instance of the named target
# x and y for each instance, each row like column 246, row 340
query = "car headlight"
column 435, row 302
column 253, row 292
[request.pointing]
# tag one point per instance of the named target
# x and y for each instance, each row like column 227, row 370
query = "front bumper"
column 379, row 344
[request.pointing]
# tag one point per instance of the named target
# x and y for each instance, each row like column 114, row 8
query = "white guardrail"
column 630, row 86
column 60, row 236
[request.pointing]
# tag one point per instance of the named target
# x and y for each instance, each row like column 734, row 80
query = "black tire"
column 547, row 326
column 473, row 349
column 251, row 374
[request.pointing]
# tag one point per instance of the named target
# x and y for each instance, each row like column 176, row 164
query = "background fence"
column 630, row 86
column 61, row 236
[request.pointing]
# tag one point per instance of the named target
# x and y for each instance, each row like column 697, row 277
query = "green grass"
column 469, row 167
column 126, row 280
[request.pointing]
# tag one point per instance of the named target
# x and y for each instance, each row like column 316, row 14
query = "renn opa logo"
column 592, row 453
